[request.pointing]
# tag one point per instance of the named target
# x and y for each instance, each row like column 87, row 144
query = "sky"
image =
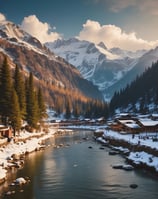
column 127, row 24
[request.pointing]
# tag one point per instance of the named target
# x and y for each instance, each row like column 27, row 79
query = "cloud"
column 113, row 36
column 146, row 6
column 38, row 29
column 149, row 6
column 2, row 17
column 116, row 5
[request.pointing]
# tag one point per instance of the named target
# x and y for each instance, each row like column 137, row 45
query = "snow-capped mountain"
column 109, row 69
column 13, row 32
column 103, row 66
column 31, row 56
column 144, row 62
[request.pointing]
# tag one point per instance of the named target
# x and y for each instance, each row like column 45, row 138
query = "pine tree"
column 88, row 110
column 15, row 115
column 59, row 105
column 5, row 91
column 32, row 104
column 76, row 109
column 68, row 111
column 20, row 90
column 41, row 105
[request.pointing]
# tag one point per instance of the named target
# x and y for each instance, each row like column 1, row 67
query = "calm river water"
column 78, row 172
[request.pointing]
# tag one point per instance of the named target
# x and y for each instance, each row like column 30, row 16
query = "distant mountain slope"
column 51, row 70
column 104, row 67
column 142, row 64
column 141, row 95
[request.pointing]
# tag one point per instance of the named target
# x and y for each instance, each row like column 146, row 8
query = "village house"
column 148, row 125
column 154, row 116
column 5, row 131
column 134, row 124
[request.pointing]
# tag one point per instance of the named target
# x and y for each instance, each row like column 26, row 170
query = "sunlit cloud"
column 2, row 17
column 113, row 36
column 40, row 30
column 146, row 6
column 149, row 6
column 93, row 31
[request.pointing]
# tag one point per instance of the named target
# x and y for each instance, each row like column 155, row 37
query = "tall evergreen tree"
column 5, row 91
column 59, row 105
column 41, row 105
column 68, row 111
column 15, row 115
column 76, row 110
column 88, row 110
column 32, row 104
column 20, row 90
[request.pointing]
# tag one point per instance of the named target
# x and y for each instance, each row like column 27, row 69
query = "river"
column 75, row 171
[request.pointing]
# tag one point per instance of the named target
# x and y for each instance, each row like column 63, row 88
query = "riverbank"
column 12, row 153
column 141, row 149
column 65, row 172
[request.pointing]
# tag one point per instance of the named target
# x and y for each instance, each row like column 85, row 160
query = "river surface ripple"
column 75, row 171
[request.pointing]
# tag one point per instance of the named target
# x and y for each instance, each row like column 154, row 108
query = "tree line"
column 75, row 105
column 19, row 100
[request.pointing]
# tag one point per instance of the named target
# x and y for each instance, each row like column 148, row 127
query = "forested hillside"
column 19, row 99
column 63, row 87
column 141, row 95
column 20, row 91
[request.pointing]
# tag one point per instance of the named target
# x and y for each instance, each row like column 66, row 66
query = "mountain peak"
column 15, row 33
column 51, row 71
column 98, row 64
column 12, row 30
column 102, row 45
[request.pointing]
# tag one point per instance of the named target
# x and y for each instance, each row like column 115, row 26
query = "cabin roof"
column 148, row 122
column 130, row 123
column 3, row 128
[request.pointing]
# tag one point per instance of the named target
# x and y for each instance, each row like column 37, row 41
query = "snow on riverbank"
column 145, row 158
column 32, row 142
column 142, row 139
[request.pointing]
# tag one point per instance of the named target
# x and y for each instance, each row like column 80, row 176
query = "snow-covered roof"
column 143, row 116
column 130, row 123
column 154, row 115
column 2, row 127
column 124, row 114
column 148, row 122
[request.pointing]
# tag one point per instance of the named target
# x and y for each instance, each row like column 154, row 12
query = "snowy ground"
column 143, row 139
column 20, row 148
column 31, row 144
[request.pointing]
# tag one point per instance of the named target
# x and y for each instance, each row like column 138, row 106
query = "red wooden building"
column 5, row 131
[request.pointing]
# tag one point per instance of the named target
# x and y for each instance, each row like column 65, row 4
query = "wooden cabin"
column 126, row 125
column 148, row 125
column 134, row 124
column 5, row 131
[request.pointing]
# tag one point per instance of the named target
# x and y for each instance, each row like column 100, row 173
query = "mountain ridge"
column 100, row 65
column 30, row 55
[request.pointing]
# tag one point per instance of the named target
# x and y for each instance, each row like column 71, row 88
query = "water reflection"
column 77, row 172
